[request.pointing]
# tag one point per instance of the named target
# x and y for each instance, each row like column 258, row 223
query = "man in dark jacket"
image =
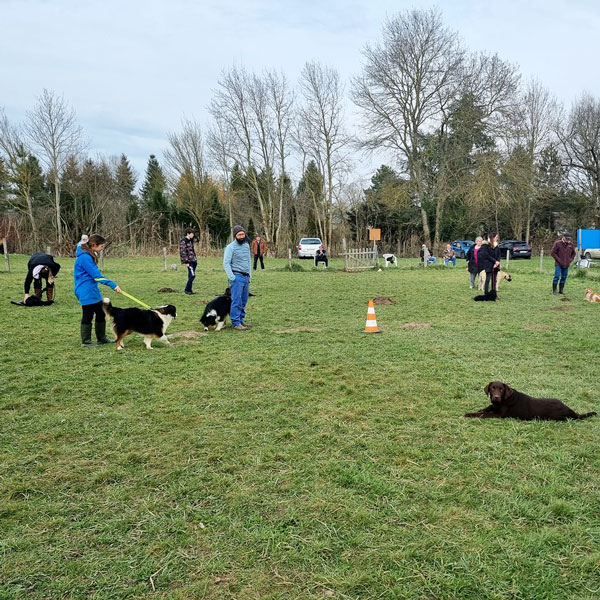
column 187, row 255
column 563, row 253
column 41, row 266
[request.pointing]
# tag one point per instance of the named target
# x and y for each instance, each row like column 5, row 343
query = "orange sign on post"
column 374, row 235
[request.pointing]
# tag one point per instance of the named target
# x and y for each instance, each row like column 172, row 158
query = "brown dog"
column 500, row 275
column 591, row 296
column 508, row 403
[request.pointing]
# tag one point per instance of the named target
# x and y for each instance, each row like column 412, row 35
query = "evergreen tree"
column 154, row 187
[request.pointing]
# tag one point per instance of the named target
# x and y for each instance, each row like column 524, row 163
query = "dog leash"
column 126, row 294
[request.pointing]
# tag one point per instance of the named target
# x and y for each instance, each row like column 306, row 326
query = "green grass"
column 303, row 458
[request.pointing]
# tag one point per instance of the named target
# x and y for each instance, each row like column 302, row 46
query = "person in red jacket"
column 563, row 253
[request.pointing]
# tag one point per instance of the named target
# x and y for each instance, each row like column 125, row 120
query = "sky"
column 133, row 69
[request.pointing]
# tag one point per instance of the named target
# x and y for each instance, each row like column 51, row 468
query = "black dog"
column 509, row 403
column 150, row 323
column 34, row 300
column 216, row 311
column 491, row 296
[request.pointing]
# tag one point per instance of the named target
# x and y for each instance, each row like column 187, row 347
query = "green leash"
column 126, row 294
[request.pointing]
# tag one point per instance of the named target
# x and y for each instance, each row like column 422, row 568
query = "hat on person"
column 567, row 235
column 237, row 229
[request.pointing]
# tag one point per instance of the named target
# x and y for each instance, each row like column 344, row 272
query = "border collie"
column 150, row 323
column 216, row 311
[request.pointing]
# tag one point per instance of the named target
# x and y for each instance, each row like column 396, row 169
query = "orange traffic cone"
column 371, row 325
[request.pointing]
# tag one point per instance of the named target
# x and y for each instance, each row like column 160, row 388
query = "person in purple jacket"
column 87, row 276
column 563, row 253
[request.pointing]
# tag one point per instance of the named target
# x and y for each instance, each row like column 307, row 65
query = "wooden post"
column 102, row 259
column 290, row 257
column 507, row 258
column 48, row 250
column 5, row 248
column 345, row 254
column 165, row 257
column 542, row 260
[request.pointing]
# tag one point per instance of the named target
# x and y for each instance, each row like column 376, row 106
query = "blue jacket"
column 236, row 258
column 85, row 274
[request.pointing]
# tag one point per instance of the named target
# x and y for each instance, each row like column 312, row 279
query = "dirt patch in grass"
column 298, row 330
column 559, row 308
column 383, row 300
column 166, row 290
column 414, row 325
column 187, row 335
column 536, row 328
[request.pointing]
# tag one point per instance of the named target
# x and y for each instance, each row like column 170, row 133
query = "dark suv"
column 515, row 249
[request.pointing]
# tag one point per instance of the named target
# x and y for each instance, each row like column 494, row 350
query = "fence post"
column 48, row 250
column 542, row 260
column 290, row 257
column 507, row 258
column 165, row 258
column 345, row 254
column 5, row 248
column 102, row 259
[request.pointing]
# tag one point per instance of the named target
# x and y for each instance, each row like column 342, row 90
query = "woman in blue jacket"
column 87, row 276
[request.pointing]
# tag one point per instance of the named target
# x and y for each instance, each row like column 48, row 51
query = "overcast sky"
column 133, row 69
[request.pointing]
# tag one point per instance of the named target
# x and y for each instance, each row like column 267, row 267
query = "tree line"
column 470, row 148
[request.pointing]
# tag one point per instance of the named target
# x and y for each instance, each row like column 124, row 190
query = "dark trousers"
column 88, row 313
column 191, row 275
column 258, row 257
column 319, row 259
column 490, row 280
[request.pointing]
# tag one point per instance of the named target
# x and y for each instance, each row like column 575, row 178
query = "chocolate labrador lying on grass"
column 508, row 403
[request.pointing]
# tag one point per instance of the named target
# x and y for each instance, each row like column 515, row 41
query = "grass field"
column 303, row 458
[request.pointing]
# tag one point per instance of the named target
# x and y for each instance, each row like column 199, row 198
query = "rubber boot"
column 554, row 289
column 86, row 336
column 561, row 287
column 50, row 293
column 101, row 333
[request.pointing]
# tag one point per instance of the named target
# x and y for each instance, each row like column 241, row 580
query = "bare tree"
column 281, row 101
column 193, row 187
column 20, row 171
column 580, row 140
column 527, row 131
column 322, row 134
column 239, row 107
column 220, row 155
column 52, row 127
column 408, row 81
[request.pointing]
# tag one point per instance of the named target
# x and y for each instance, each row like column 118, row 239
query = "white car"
column 307, row 248
column 590, row 253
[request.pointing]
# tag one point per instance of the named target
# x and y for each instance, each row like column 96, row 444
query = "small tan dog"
column 591, row 296
column 501, row 275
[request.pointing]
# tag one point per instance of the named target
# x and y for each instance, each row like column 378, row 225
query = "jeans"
column 473, row 276
column 239, row 296
column 258, row 257
column 448, row 260
column 191, row 275
column 560, row 273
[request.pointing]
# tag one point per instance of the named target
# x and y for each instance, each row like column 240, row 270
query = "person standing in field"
column 187, row 254
column 236, row 262
column 473, row 260
column 563, row 253
column 258, row 249
column 488, row 258
column 87, row 276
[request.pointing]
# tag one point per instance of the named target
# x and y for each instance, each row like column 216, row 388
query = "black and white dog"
column 150, row 323
column 216, row 311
